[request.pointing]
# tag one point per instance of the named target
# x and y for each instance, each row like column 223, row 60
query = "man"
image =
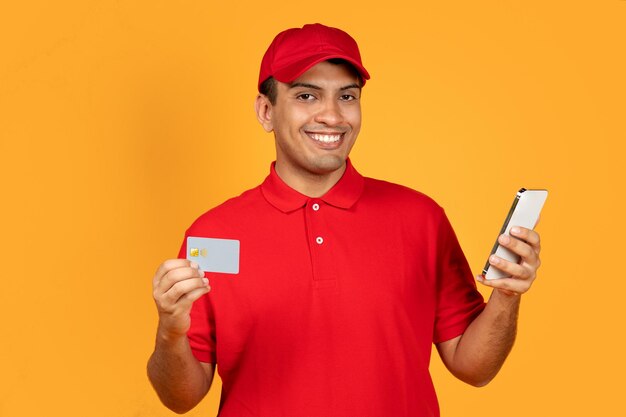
column 344, row 281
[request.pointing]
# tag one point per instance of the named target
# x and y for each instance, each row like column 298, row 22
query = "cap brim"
column 295, row 70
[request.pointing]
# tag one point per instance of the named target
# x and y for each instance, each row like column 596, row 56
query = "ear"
column 263, row 109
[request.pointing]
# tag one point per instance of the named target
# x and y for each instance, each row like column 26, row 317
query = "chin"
column 329, row 163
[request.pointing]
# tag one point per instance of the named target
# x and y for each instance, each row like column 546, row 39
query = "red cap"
column 294, row 51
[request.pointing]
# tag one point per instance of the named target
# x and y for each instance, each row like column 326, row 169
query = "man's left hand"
column 525, row 243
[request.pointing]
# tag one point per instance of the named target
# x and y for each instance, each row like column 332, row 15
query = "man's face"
column 316, row 120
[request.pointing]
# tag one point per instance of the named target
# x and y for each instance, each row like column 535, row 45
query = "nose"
column 329, row 113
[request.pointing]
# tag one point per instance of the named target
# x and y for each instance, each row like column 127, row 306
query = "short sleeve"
column 458, row 299
column 201, row 334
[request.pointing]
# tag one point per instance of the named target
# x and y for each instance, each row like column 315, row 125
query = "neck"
column 308, row 183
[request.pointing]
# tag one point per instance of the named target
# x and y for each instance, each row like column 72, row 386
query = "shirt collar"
column 343, row 194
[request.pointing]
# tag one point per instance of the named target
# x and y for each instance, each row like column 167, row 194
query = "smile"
column 325, row 138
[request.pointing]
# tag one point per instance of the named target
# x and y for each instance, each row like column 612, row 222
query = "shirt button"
column 319, row 240
column 316, row 207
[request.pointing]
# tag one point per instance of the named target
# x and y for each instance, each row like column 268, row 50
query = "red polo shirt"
column 337, row 302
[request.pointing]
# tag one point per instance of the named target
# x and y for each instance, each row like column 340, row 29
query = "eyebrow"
column 305, row 85
column 349, row 86
column 317, row 87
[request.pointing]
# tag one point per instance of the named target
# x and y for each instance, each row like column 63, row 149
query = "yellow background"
column 121, row 122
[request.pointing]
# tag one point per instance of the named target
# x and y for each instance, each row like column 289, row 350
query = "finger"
column 176, row 275
column 169, row 265
column 514, row 270
column 519, row 247
column 527, row 235
column 188, row 299
column 182, row 288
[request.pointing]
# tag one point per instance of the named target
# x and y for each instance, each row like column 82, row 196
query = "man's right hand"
column 180, row 380
column 175, row 286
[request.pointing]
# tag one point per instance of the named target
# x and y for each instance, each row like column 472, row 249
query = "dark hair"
column 269, row 87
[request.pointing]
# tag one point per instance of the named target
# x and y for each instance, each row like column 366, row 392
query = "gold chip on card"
column 194, row 252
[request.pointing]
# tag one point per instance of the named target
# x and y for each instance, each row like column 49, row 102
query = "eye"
column 347, row 97
column 305, row 97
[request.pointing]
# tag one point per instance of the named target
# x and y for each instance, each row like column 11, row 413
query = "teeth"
column 325, row 138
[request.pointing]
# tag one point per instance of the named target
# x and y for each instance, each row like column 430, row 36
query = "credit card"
column 214, row 255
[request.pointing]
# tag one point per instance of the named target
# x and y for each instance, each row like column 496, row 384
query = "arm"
column 476, row 356
column 179, row 379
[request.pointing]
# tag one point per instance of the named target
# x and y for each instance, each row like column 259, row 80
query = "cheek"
column 290, row 120
column 354, row 119
column 352, row 114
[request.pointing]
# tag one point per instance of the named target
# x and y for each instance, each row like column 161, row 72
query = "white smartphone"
column 524, row 212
